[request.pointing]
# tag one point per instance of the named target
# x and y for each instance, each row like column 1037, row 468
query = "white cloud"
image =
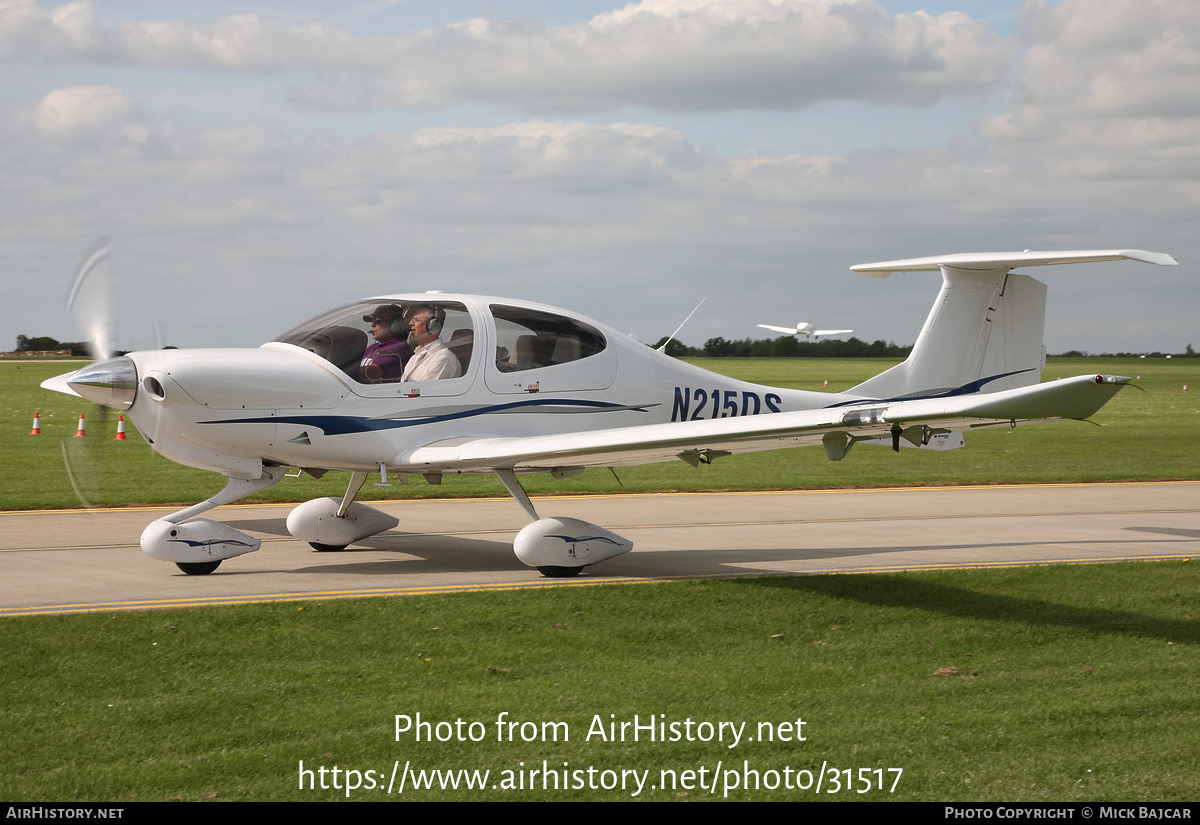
column 1108, row 88
column 570, row 213
column 659, row 54
column 245, row 42
column 666, row 55
column 240, row 230
column 86, row 113
column 1113, row 57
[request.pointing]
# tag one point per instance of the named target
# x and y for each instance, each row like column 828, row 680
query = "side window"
column 369, row 341
column 528, row 339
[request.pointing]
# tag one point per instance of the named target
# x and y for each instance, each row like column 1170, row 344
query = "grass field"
column 1071, row 683
column 1141, row 435
column 1038, row 684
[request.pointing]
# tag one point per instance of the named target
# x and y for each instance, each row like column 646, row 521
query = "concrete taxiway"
column 86, row 561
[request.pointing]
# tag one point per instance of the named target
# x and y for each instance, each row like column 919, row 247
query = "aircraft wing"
column 788, row 330
column 692, row 441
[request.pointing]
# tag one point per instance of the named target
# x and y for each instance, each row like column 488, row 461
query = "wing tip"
column 1156, row 258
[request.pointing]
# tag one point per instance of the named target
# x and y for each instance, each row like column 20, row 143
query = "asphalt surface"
column 87, row 561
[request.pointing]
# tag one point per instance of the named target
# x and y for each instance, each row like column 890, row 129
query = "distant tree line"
column 47, row 344
column 1188, row 352
column 787, row 347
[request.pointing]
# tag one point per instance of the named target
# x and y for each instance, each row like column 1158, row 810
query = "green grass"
column 1148, row 435
column 1073, row 683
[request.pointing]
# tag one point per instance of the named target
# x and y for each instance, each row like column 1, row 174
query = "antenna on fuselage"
column 671, row 337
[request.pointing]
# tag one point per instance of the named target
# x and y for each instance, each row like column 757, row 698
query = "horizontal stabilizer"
column 1075, row 398
column 1010, row 260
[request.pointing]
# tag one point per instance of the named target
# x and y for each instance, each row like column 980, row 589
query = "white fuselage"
column 232, row 410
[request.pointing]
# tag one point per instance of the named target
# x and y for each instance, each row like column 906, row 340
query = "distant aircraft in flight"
column 806, row 329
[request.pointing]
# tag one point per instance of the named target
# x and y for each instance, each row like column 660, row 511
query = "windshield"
column 374, row 342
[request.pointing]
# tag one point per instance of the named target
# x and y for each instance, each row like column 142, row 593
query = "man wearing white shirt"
column 431, row 360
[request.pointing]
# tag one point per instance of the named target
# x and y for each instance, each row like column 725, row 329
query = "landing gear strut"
column 559, row 547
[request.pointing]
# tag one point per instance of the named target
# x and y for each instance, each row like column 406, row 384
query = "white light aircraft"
column 806, row 329
column 509, row 387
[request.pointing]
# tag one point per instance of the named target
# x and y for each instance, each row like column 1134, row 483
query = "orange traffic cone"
column 120, row 428
column 80, row 433
column 37, row 424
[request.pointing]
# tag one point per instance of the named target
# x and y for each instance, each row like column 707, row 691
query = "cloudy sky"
column 255, row 163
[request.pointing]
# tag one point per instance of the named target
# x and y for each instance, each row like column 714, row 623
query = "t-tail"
column 984, row 333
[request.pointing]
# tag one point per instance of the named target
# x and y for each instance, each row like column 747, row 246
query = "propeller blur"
column 438, row 384
column 89, row 299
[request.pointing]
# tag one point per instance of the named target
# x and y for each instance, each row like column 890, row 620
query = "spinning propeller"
column 107, row 381
column 89, row 300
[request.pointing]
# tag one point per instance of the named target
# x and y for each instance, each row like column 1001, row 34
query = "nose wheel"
column 198, row 568
column 553, row 572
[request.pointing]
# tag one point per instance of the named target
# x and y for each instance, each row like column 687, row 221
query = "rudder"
column 983, row 334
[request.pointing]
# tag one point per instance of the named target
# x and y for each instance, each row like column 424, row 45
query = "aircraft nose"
column 111, row 383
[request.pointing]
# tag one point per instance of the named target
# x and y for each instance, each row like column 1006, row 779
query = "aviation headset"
column 436, row 315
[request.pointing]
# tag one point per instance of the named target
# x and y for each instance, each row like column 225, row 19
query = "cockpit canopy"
column 366, row 340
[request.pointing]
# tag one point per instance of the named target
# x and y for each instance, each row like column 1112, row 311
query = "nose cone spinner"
column 111, row 383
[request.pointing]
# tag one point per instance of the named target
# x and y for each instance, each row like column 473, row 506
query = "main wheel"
column 553, row 572
column 327, row 548
column 198, row 568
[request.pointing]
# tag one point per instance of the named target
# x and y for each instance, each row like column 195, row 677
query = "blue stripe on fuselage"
column 344, row 424
column 965, row 389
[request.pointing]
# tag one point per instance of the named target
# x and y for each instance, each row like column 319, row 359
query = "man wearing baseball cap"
column 384, row 360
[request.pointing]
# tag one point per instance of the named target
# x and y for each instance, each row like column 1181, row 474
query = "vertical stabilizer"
column 984, row 333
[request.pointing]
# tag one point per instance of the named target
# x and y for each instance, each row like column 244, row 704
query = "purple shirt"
column 390, row 357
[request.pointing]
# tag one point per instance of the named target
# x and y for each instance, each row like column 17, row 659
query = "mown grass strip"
column 1072, row 682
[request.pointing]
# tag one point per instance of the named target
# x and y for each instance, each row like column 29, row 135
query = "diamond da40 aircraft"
column 437, row 384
